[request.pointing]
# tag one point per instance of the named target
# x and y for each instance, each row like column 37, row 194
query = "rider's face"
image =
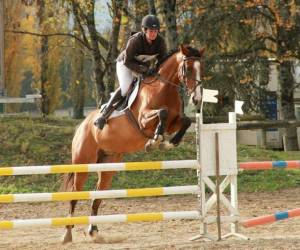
column 151, row 34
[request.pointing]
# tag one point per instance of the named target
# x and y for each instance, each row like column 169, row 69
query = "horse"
column 156, row 110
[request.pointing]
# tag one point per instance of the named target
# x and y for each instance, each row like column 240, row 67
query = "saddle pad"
column 132, row 97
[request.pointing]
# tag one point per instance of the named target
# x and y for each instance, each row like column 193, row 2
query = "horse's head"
column 190, row 71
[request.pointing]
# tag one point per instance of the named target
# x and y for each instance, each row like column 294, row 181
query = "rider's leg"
column 125, row 78
column 115, row 98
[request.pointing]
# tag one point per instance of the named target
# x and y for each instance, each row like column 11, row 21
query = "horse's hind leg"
column 104, row 183
column 75, row 182
column 78, row 183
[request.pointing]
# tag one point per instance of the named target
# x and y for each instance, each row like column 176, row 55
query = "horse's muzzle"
column 195, row 101
column 196, row 96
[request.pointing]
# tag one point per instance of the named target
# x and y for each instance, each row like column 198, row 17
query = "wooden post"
column 218, row 185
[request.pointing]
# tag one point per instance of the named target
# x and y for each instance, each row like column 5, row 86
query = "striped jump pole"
column 99, row 167
column 271, row 218
column 266, row 165
column 105, row 194
column 189, row 215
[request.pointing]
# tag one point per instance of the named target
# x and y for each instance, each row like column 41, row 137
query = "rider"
column 146, row 42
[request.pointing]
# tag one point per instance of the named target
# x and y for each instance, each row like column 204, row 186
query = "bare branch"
column 49, row 35
column 76, row 14
column 102, row 41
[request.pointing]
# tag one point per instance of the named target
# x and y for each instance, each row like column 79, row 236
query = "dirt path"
column 158, row 235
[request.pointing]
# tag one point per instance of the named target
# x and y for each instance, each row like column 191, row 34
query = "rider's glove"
column 150, row 72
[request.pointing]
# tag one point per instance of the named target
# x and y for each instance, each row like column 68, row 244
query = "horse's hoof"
column 159, row 138
column 67, row 238
column 154, row 143
column 93, row 230
column 97, row 238
column 166, row 146
column 150, row 145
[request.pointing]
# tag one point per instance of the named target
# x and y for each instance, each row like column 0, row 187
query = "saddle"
column 128, row 100
column 151, row 61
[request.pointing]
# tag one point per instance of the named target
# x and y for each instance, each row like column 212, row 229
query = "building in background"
column 270, row 106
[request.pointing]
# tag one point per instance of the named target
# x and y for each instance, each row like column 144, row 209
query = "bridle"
column 184, row 76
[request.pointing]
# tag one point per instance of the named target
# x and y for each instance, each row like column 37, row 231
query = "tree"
column 100, row 48
column 116, row 14
column 2, row 77
column 282, row 42
column 103, row 51
column 34, row 51
column 253, row 31
column 50, row 53
column 167, row 13
column 78, row 83
column 44, row 59
column 21, row 52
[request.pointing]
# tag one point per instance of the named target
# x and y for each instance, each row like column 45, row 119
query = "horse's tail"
column 68, row 179
column 68, row 182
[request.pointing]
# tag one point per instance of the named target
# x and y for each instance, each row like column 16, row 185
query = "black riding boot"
column 109, row 108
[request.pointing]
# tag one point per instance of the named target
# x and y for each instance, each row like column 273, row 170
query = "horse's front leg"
column 158, row 137
column 103, row 183
column 181, row 126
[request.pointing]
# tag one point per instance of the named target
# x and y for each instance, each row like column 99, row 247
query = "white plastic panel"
column 227, row 149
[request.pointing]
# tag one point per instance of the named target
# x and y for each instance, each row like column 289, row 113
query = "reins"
column 182, row 84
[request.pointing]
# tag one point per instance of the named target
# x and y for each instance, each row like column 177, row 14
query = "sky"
column 103, row 19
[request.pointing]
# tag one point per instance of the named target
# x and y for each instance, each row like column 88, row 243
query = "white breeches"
column 125, row 77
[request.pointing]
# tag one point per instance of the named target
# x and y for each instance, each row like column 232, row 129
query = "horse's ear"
column 201, row 51
column 183, row 49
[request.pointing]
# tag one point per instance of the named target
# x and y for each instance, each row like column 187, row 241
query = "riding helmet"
column 150, row 22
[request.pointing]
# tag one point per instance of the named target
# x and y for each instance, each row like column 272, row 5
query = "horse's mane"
column 191, row 52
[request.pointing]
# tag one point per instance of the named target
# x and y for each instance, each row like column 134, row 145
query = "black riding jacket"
column 138, row 45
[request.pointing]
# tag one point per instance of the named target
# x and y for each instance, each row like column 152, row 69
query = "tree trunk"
column 99, row 74
column 77, row 79
column 167, row 13
column 287, row 111
column 113, row 50
column 286, row 79
column 2, row 78
column 139, row 11
column 78, row 87
column 151, row 7
column 44, row 78
column 44, row 61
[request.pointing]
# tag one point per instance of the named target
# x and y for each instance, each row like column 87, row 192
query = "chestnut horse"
column 156, row 110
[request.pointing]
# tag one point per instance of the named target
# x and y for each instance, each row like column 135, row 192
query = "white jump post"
column 227, row 159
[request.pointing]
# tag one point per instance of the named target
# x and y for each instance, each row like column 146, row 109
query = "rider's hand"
column 150, row 72
column 143, row 69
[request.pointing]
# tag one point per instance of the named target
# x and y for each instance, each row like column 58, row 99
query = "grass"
column 34, row 141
